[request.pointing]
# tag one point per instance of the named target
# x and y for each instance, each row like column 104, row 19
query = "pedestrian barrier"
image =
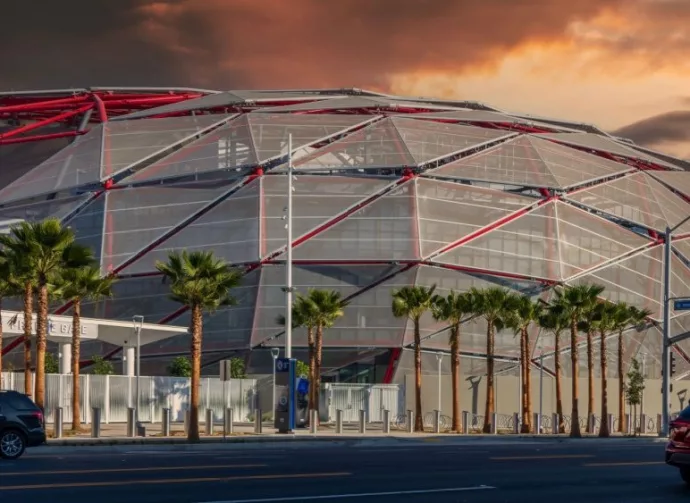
column 362, row 421
column 166, row 422
column 386, row 422
column 258, row 426
column 209, row 422
column 339, row 421
column 131, row 415
column 96, row 422
column 227, row 422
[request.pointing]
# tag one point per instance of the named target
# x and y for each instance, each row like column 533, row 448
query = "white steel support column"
column 65, row 349
column 666, row 349
column 288, row 265
column 129, row 360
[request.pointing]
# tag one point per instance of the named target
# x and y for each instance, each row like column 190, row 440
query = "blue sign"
column 681, row 304
column 283, row 365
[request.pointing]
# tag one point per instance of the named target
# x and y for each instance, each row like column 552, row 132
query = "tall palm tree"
column 76, row 285
column 453, row 309
column 520, row 318
column 203, row 283
column 492, row 304
column 323, row 307
column 603, row 321
column 9, row 287
column 574, row 302
column 589, row 327
column 412, row 302
column 555, row 323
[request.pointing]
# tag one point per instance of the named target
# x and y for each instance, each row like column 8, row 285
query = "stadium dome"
column 389, row 192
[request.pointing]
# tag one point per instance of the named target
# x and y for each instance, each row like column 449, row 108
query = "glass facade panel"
column 88, row 225
column 54, row 208
column 678, row 180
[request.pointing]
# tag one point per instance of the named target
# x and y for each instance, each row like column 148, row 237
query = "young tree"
column 603, row 321
column 626, row 317
column 574, row 302
column 180, row 366
column 238, row 369
column 634, row 389
column 552, row 321
column 412, row 302
column 76, row 285
column 453, row 309
column 492, row 304
column 201, row 282
column 101, row 367
column 52, row 364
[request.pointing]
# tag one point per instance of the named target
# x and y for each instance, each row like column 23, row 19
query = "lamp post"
column 644, row 365
column 541, row 384
column 288, row 264
column 137, row 322
column 274, row 354
column 439, row 359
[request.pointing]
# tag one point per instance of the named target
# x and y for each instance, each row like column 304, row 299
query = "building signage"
column 56, row 328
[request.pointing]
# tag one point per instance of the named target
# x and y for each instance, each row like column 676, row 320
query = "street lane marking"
column 359, row 495
column 628, row 463
column 554, row 456
column 72, row 485
column 123, row 470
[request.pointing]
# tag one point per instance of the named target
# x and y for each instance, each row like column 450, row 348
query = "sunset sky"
column 620, row 64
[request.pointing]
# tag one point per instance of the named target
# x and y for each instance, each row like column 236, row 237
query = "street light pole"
column 541, row 385
column 288, row 264
column 138, row 321
column 439, row 358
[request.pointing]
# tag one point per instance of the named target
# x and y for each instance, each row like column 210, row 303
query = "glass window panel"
column 54, row 208
column 88, row 225
column 679, row 180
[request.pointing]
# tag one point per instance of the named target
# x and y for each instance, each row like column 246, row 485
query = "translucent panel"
column 472, row 116
column 678, row 180
column 515, row 162
column 638, row 198
column 450, row 211
column 54, row 208
column 385, row 229
column 337, row 103
column 75, row 165
column 136, row 217
column 428, row 140
column 345, row 279
column 19, row 158
column 88, row 225
column 229, row 328
column 586, row 240
column 315, row 201
column 230, row 230
column 215, row 100
column 683, row 247
column 127, row 142
column 469, row 366
column 526, row 246
column 228, row 147
column 270, row 131
column 145, row 296
column 377, row 146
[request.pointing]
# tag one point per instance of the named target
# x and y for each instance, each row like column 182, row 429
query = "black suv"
column 21, row 424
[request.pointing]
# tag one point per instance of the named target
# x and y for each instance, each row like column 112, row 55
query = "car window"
column 18, row 402
column 685, row 414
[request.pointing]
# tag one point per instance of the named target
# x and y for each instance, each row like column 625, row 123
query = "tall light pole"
column 288, row 264
column 439, row 359
column 138, row 321
column 541, row 385
column 274, row 353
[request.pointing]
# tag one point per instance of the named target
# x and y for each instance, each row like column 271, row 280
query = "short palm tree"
column 625, row 317
column 574, row 302
column 453, row 308
column 555, row 323
column 75, row 285
column 520, row 318
column 203, row 283
column 9, row 287
column 412, row 302
column 492, row 304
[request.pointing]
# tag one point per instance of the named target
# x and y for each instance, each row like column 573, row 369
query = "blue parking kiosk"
column 285, row 395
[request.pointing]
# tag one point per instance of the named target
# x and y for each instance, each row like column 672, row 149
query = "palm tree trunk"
column 28, row 333
column 590, row 381
column 604, row 428
column 525, row 428
column 76, row 352
column 528, row 381
column 455, row 374
column 621, row 386
column 317, row 369
column 575, row 419
column 197, row 332
column 559, row 393
column 418, row 419
column 311, row 348
column 41, row 339
column 0, row 343
column 489, row 409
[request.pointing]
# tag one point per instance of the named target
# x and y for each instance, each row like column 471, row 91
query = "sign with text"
column 58, row 327
column 285, row 395
column 681, row 304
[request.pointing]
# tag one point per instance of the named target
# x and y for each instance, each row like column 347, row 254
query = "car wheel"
column 685, row 475
column 12, row 444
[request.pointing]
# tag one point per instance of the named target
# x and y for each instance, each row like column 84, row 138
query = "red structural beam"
column 36, row 125
column 39, row 137
column 44, row 105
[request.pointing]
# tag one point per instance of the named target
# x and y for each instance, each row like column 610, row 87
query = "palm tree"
column 588, row 326
column 603, row 321
column 76, row 285
column 520, row 318
column 201, row 282
column 412, row 302
column 492, row 304
column 323, row 307
column 453, row 309
column 574, row 302
column 9, row 287
column 555, row 323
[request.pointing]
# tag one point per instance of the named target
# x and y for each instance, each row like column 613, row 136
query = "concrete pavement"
column 415, row 471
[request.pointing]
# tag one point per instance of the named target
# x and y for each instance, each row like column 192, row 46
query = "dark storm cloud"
column 672, row 127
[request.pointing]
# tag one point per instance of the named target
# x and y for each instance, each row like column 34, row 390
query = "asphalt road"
column 400, row 472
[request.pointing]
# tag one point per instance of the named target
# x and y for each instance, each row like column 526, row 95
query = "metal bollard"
column 131, row 414
column 209, row 422
column 410, row 421
column 437, row 421
column 494, row 426
column 628, row 424
column 95, row 422
column 465, row 422
column 362, row 421
column 555, row 419
column 610, row 421
column 643, row 424
column 658, row 423
column 338, row 422
column 536, row 423
column 57, row 423
column 166, row 422
column 187, row 420
column 516, row 423
column 386, row 421
column 592, row 423
column 313, row 421
column 257, row 421
column 227, row 422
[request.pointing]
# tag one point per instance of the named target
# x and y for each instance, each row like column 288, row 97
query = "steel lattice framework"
column 390, row 192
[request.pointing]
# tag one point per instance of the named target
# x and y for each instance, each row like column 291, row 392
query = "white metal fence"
column 113, row 394
column 374, row 399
